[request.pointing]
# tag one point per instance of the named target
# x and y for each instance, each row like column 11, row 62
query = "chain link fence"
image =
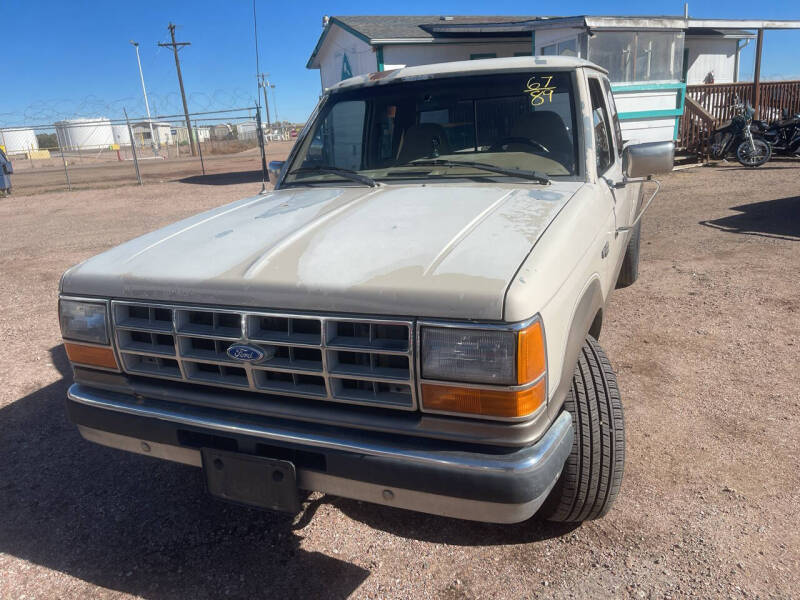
column 104, row 153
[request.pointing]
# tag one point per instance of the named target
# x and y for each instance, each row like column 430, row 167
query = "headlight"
column 83, row 321
column 497, row 372
column 469, row 355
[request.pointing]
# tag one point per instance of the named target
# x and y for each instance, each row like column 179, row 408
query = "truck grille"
column 341, row 359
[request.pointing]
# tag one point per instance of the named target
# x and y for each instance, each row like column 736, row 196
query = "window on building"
column 638, row 55
column 564, row 48
column 603, row 144
column 482, row 55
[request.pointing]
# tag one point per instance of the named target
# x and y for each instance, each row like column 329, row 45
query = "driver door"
column 608, row 154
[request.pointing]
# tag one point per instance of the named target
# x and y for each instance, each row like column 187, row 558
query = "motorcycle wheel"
column 750, row 159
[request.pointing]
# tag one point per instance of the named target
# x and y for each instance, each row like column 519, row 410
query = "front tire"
column 592, row 475
column 751, row 159
column 629, row 270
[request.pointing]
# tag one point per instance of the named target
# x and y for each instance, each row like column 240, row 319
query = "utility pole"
column 146, row 104
column 175, row 45
column 274, row 103
column 264, row 86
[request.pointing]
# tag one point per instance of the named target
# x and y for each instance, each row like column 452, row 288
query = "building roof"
column 377, row 30
column 464, row 67
column 415, row 26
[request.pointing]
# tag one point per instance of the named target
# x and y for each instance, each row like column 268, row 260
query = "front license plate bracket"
column 251, row 480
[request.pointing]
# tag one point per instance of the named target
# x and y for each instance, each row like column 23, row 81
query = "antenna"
column 258, row 68
column 259, row 131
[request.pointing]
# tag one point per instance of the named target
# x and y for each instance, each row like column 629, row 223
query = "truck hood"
column 446, row 251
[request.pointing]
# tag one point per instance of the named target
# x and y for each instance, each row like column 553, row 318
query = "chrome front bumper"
column 494, row 485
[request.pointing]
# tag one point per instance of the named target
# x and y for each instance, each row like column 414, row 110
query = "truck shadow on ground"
column 772, row 218
column 146, row 527
column 231, row 178
column 141, row 526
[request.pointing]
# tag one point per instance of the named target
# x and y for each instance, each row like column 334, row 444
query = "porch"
column 708, row 105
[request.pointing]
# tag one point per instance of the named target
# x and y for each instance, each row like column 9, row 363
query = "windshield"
column 418, row 130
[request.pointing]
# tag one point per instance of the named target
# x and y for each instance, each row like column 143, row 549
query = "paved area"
column 706, row 346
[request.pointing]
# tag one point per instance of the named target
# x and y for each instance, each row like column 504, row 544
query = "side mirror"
column 652, row 158
column 274, row 170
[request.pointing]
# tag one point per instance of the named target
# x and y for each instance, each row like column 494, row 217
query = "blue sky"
column 65, row 59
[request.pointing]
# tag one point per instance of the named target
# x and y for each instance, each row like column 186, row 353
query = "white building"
column 161, row 131
column 180, row 135
column 85, row 134
column 650, row 59
column 18, row 140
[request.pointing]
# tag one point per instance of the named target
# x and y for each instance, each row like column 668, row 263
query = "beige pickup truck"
column 410, row 318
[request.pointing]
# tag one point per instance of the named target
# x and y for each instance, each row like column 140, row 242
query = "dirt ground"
column 706, row 347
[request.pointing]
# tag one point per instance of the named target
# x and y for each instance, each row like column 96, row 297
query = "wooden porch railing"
column 710, row 104
column 694, row 128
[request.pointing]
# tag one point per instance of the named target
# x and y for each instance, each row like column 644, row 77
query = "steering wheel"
column 499, row 146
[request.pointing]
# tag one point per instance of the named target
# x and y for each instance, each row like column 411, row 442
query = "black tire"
column 592, row 475
column 749, row 159
column 629, row 271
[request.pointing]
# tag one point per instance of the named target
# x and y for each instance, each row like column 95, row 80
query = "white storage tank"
column 18, row 140
column 122, row 136
column 85, row 134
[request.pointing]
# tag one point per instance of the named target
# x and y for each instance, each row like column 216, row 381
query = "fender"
column 586, row 319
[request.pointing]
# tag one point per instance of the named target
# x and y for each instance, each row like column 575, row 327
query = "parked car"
column 410, row 318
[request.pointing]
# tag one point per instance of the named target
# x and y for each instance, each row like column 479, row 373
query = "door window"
column 603, row 143
column 338, row 141
column 614, row 116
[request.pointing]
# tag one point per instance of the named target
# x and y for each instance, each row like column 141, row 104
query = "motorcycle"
column 783, row 135
column 737, row 135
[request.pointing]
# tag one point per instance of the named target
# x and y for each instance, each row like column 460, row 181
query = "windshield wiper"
column 347, row 173
column 532, row 175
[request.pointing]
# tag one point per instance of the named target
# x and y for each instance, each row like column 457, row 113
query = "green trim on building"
column 331, row 22
column 533, row 42
column 650, row 114
column 677, row 112
column 646, row 87
column 481, row 55
column 349, row 29
column 379, row 53
column 522, row 54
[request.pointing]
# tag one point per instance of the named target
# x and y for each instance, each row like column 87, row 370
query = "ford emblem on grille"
column 245, row 353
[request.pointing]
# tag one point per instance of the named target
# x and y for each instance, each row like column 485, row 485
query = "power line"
column 175, row 45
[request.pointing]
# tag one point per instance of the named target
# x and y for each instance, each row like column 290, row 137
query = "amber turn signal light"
column 531, row 358
column 490, row 403
column 93, row 356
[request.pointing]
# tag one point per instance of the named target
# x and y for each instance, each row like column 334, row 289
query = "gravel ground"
column 705, row 345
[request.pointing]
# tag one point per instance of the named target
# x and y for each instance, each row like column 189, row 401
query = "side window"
column 614, row 116
column 604, row 145
column 338, row 140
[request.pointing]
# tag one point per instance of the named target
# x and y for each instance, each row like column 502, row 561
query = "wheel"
column 749, row 158
column 629, row 271
column 592, row 475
